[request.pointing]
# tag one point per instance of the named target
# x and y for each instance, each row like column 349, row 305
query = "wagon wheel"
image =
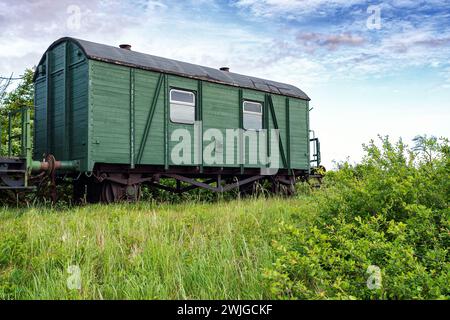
column 288, row 190
column 282, row 188
column 275, row 186
column 132, row 193
column 109, row 192
column 113, row 192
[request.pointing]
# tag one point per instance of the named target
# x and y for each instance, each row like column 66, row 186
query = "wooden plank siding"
column 299, row 114
column 63, row 135
column 220, row 111
column 101, row 108
column 110, row 99
column 111, row 122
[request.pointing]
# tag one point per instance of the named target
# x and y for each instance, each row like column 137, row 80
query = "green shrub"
column 391, row 211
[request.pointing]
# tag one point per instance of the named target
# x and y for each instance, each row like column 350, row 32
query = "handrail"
column 24, row 136
column 316, row 153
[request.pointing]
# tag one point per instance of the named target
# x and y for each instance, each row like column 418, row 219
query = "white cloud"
column 295, row 8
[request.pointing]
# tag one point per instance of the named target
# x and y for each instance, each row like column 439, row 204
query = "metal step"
column 12, row 171
column 12, row 160
column 17, row 188
column 13, row 174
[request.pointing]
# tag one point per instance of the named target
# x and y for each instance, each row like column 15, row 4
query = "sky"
column 370, row 67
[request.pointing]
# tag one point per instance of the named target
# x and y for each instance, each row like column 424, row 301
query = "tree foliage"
column 21, row 96
column 426, row 148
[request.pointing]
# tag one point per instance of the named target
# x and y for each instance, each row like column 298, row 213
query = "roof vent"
column 125, row 46
column 226, row 69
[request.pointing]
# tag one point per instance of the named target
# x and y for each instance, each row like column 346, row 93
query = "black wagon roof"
column 116, row 55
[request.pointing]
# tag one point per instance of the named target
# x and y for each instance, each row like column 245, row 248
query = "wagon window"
column 252, row 115
column 182, row 106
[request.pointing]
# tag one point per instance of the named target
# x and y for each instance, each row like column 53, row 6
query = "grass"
column 142, row 251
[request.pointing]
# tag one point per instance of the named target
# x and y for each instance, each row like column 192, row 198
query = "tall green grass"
column 142, row 251
column 390, row 213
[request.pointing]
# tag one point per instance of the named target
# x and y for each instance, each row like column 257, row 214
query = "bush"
column 389, row 213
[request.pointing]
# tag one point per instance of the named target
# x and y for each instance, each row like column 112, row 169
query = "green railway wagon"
column 116, row 119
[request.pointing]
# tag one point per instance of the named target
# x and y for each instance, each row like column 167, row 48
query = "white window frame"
column 187, row 104
column 253, row 112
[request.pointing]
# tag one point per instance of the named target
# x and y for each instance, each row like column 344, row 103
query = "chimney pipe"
column 125, row 46
column 225, row 69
